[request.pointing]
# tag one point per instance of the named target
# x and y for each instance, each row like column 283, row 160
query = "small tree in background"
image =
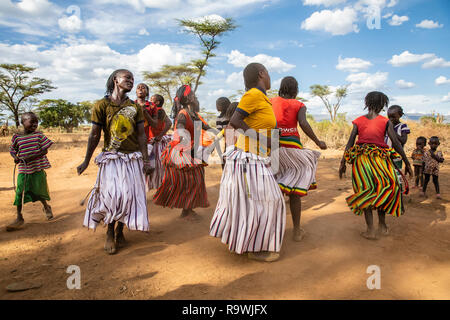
column 16, row 88
column 207, row 30
column 323, row 92
column 61, row 113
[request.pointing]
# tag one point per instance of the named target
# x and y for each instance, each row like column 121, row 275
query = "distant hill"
column 407, row 116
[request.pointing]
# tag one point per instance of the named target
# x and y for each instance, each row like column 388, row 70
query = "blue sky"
column 77, row 44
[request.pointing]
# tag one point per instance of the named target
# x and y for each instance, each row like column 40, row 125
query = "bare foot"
column 383, row 230
column 264, row 256
column 48, row 212
column 16, row 225
column 299, row 234
column 120, row 239
column 110, row 245
column 190, row 215
column 369, row 234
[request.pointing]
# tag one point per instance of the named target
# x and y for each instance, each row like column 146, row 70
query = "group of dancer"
column 263, row 160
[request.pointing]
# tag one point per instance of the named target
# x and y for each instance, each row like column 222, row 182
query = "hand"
column 322, row 145
column 408, row 170
column 342, row 169
column 82, row 167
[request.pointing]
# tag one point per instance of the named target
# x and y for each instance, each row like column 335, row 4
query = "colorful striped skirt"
column 183, row 184
column 119, row 192
column 250, row 215
column 155, row 178
column 297, row 169
column 375, row 181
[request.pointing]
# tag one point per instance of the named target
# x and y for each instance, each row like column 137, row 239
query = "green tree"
column 324, row 92
column 62, row 113
column 207, row 30
column 16, row 88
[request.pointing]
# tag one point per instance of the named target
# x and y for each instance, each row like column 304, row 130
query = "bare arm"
column 350, row 143
column 304, row 124
column 398, row 147
column 403, row 138
column 94, row 139
column 152, row 122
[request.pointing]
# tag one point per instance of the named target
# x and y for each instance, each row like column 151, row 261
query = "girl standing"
column 119, row 193
column 250, row 215
column 375, row 182
column 297, row 166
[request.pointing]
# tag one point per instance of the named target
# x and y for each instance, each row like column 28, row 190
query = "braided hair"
column 288, row 88
column 376, row 101
column 110, row 83
column 180, row 100
column 251, row 75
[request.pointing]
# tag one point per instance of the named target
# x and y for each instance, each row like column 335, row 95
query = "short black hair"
column 376, row 101
column 160, row 99
column 231, row 109
column 251, row 74
column 28, row 114
column 288, row 88
column 423, row 139
column 434, row 138
column 396, row 108
column 224, row 102
column 110, row 81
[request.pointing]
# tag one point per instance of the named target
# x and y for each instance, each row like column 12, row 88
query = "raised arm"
column 94, row 139
column 304, row 124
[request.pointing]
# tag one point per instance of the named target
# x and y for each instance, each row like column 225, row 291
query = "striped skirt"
column 183, row 185
column 119, row 192
column 375, row 181
column 250, row 215
column 297, row 170
column 155, row 150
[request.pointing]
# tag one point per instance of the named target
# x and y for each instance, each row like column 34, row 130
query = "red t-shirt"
column 371, row 131
column 286, row 113
column 149, row 131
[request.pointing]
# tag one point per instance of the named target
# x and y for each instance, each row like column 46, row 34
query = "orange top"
column 371, row 131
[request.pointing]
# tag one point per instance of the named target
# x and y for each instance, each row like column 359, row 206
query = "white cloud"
column 441, row 80
column 337, row 22
column 70, row 23
column 352, row 64
column 325, row 3
column 392, row 3
column 236, row 80
column 387, row 15
column 397, row 20
column 273, row 64
column 363, row 82
column 429, row 24
column 406, row 58
column 446, row 98
column 143, row 32
column 402, row 84
column 436, row 63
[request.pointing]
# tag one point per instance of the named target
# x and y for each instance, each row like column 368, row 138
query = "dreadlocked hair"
column 160, row 100
column 396, row 108
column 110, row 82
column 376, row 101
column 251, row 74
column 179, row 101
column 288, row 88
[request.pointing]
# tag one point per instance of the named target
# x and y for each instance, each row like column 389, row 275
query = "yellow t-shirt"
column 260, row 117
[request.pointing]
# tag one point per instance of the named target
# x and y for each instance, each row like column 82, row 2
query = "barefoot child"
column 29, row 152
column 119, row 193
column 297, row 166
column 417, row 157
column 375, row 182
column 250, row 215
column 432, row 158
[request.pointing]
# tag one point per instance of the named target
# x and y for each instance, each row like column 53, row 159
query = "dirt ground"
column 177, row 259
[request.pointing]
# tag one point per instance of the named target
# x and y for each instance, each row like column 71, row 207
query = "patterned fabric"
column 291, row 142
column 371, row 131
column 119, row 192
column 36, row 188
column 250, row 215
column 375, row 181
column 431, row 165
column 221, row 122
column 297, row 170
column 400, row 128
column 28, row 145
column 286, row 113
column 417, row 156
column 258, row 112
column 119, row 124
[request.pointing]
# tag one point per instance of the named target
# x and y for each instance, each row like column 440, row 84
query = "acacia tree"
column 16, row 88
column 62, row 113
column 324, row 92
column 207, row 30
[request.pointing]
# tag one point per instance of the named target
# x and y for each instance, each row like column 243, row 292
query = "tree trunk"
column 16, row 119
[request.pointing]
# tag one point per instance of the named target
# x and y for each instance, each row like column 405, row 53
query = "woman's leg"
column 382, row 227
column 370, row 233
column 110, row 245
column 119, row 237
column 295, row 204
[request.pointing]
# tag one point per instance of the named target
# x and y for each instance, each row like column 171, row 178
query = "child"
column 297, row 165
column 222, row 105
column 119, row 193
column 375, row 182
column 250, row 215
column 394, row 114
column 29, row 151
column 417, row 157
column 231, row 137
column 432, row 158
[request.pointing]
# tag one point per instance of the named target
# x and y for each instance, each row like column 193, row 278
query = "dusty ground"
column 179, row 260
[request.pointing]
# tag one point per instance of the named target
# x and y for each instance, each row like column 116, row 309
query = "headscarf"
column 182, row 93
